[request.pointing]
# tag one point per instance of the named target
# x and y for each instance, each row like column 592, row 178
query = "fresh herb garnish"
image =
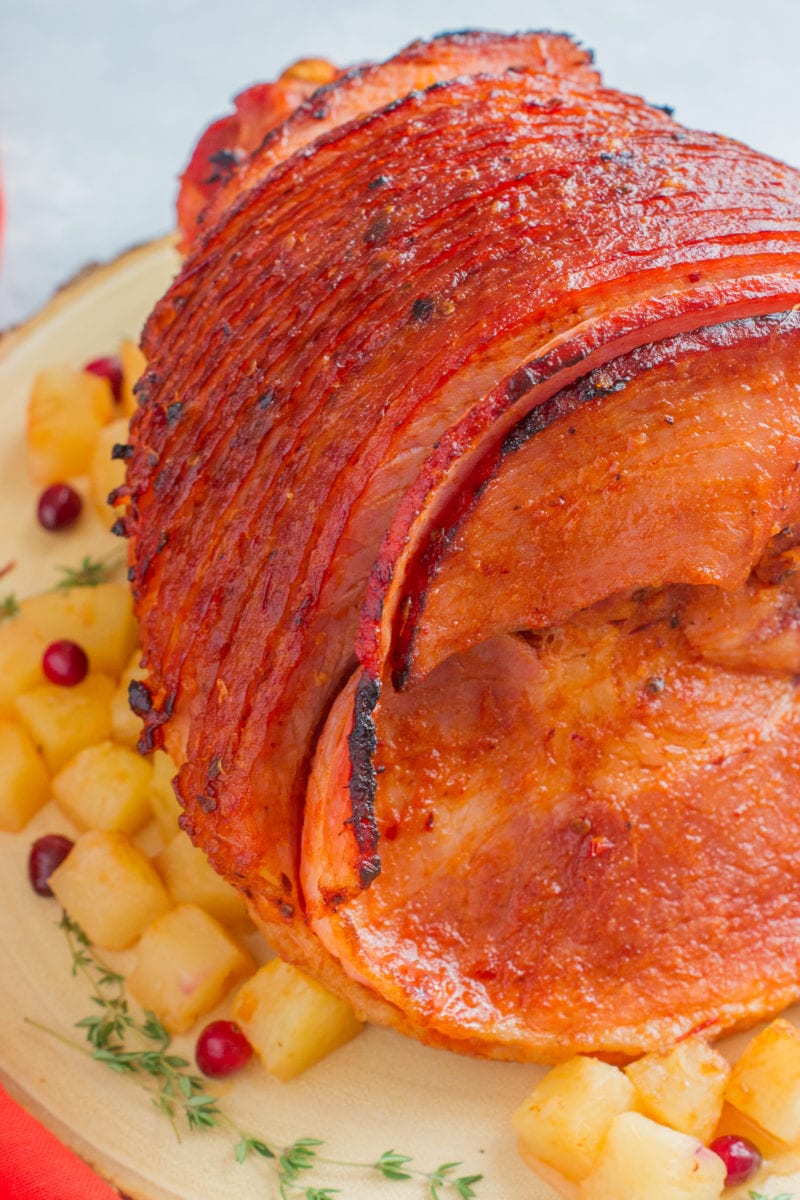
column 763, row 1196
column 133, row 1047
column 9, row 606
column 91, row 572
column 140, row 1049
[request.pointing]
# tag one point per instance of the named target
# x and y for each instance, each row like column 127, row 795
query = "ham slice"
column 467, row 467
column 257, row 136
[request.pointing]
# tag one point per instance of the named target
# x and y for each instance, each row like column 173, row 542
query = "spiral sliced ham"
column 467, row 468
column 237, row 151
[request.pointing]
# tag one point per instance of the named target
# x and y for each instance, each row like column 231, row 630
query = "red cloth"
column 34, row 1165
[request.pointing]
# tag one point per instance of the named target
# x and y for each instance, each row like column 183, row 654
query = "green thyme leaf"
column 465, row 1186
column 391, row 1164
column 248, row 1144
column 90, row 573
column 9, row 606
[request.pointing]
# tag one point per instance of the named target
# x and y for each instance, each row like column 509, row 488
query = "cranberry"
column 46, row 854
column 65, row 663
column 742, row 1159
column 110, row 369
column 222, row 1048
column 59, row 506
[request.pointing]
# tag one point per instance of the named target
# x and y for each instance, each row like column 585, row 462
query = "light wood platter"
column 380, row 1092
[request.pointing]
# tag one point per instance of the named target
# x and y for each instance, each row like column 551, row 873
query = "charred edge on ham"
column 363, row 743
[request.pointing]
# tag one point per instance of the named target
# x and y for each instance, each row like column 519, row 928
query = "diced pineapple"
column 62, row 720
column 313, row 70
column 291, row 1020
column 21, row 650
column 125, row 725
column 133, row 364
column 566, row 1117
column 684, row 1088
column 100, row 619
column 105, row 472
column 732, row 1122
column 24, row 780
column 185, row 963
column 190, row 878
column 110, row 888
column 765, row 1081
column 105, row 786
column 163, row 801
column 642, row 1160
column 66, row 410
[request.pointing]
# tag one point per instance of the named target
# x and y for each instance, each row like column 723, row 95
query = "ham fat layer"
column 478, row 389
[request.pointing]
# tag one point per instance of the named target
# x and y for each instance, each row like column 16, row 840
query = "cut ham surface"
column 675, row 463
column 575, row 826
column 466, row 466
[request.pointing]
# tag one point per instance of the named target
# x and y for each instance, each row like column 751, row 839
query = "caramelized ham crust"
column 492, row 387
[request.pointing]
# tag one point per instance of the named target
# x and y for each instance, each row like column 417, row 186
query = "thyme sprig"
column 133, row 1047
column 140, row 1049
column 303, row 1155
column 90, row 573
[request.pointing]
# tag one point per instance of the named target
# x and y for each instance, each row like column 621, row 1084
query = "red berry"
column 65, row 663
column 59, row 506
column 46, row 854
column 222, row 1048
column 742, row 1159
column 110, row 369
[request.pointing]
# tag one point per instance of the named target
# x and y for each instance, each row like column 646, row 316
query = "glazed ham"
column 231, row 140
column 464, row 515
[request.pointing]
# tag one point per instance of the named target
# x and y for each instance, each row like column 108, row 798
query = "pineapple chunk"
column 110, row 888
column 291, row 1020
column 105, row 786
column 733, row 1122
column 21, row 650
column 642, row 1160
column 62, row 720
column 125, row 725
column 105, row 472
column 564, row 1120
column 133, row 364
column 24, row 781
column 163, row 801
column 190, row 878
column 765, row 1081
column 100, row 619
column 684, row 1088
column 66, row 410
column 185, row 963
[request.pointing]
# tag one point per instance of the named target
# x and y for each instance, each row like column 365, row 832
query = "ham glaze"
column 463, row 509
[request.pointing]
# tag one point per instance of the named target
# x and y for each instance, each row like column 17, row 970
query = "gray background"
column 100, row 101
